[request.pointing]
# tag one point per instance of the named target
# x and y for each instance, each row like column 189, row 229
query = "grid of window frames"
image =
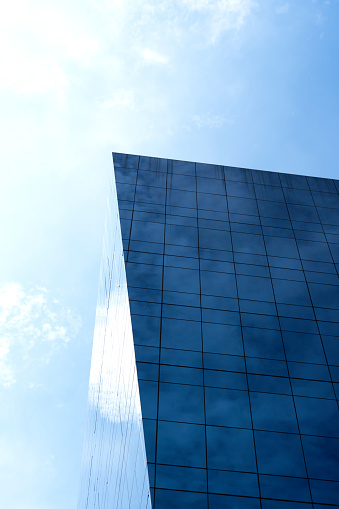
column 233, row 285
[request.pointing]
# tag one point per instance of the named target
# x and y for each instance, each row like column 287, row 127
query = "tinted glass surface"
column 233, row 288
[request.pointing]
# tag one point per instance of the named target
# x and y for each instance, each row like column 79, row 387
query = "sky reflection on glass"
column 233, row 292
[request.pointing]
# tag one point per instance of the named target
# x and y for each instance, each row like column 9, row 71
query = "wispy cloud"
column 153, row 57
column 122, row 98
column 32, row 325
column 283, row 9
column 220, row 16
column 212, row 121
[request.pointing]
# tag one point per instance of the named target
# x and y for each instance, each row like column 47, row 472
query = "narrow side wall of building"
column 114, row 469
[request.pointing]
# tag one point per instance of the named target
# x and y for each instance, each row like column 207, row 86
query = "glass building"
column 215, row 370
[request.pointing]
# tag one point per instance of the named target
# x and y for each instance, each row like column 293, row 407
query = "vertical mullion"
column 161, row 311
column 202, row 337
column 243, row 346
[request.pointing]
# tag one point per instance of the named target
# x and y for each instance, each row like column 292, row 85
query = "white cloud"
column 124, row 98
column 212, row 121
column 153, row 57
column 283, row 9
column 220, row 16
column 37, row 40
column 29, row 319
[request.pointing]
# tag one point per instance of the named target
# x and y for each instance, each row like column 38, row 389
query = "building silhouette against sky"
column 228, row 328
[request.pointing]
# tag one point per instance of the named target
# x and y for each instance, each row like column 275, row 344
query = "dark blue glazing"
column 232, row 278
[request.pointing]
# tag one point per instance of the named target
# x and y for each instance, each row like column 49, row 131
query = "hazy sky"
column 236, row 82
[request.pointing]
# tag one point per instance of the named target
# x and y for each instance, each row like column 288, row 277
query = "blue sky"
column 236, row 82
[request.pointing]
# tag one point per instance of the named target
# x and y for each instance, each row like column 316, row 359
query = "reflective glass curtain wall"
column 114, row 471
column 232, row 279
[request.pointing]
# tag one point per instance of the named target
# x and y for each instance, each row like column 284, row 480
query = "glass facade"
column 232, row 279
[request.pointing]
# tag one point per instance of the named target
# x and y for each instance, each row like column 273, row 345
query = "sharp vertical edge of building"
column 215, row 369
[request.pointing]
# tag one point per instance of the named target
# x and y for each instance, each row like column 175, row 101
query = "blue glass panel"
column 181, row 280
column 149, row 258
column 331, row 346
column 312, row 388
column 152, row 163
column 242, row 205
column 303, row 347
column 176, row 198
column 181, row 357
column 226, row 407
column 326, row 492
column 182, row 334
column 288, row 488
column 263, row 343
column 181, row 444
column 150, row 194
column 303, row 213
column 263, row 321
column 322, row 457
column 271, row 193
column 183, row 182
column 226, row 379
column 274, row 231
column 248, row 243
column 279, row 454
column 224, row 362
column 233, row 483
column 151, row 178
column 220, row 338
column 318, row 416
column 183, row 403
column 265, row 383
column 273, row 412
column 238, row 174
column 291, row 292
column 271, row 209
column 220, row 316
column 296, row 181
column 181, row 375
column 218, row 284
column 324, row 296
column 298, row 196
column 310, row 250
column 210, row 170
column 181, row 312
column 146, row 330
column 230, row 449
column 222, row 501
column 309, row 371
column 142, row 277
column 241, row 189
column 146, row 353
column 181, row 167
column 147, row 371
column 266, row 178
column 214, row 239
column 182, row 235
column 210, row 185
column 149, row 398
column 256, row 288
column 255, row 306
column 212, row 202
column 150, row 426
column 181, row 478
column 277, row 246
column 321, row 184
column 252, row 270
